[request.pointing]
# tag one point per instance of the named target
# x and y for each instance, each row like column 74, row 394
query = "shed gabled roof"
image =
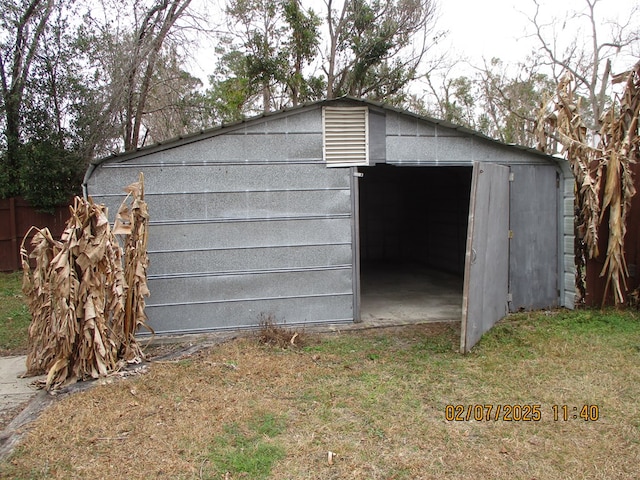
column 224, row 128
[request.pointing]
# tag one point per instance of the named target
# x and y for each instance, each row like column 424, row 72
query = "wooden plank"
column 486, row 279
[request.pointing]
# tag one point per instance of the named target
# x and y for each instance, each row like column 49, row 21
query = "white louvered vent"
column 346, row 136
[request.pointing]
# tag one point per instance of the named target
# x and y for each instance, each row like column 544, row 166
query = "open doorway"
column 412, row 233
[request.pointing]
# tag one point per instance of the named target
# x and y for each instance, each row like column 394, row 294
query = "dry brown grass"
column 376, row 398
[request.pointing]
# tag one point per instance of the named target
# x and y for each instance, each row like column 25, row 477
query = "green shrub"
column 49, row 174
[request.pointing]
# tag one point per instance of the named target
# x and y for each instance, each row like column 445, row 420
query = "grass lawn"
column 14, row 315
column 383, row 402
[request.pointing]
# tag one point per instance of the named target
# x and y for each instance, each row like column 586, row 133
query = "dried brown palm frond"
column 132, row 222
column 77, row 295
column 609, row 162
column 41, row 288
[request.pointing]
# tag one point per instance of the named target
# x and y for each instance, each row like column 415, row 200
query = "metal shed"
column 307, row 214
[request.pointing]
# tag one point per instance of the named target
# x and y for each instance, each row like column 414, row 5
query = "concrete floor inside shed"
column 404, row 293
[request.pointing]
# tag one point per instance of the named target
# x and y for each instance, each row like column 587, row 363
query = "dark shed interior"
column 413, row 231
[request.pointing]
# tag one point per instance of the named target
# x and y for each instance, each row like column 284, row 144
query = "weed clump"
column 275, row 335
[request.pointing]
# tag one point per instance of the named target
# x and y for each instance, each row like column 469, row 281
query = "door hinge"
column 509, row 297
column 512, row 176
column 510, row 234
column 358, row 174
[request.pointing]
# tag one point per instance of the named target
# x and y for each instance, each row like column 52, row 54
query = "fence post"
column 14, row 233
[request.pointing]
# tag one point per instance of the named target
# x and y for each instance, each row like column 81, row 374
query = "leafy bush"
column 49, row 174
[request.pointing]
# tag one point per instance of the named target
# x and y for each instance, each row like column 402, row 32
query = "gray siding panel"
column 566, row 241
column 398, row 124
column 247, row 220
column 377, row 138
column 246, row 234
column 309, row 122
column 201, row 317
column 225, row 259
column 250, row 286
column 240, row 260
column 182, row 194
column 234, row 274
column 165, row 179
column 453, row 151
column 176, row 207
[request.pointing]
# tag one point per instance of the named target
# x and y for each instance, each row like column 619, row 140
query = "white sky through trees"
column 476, row 29
column 500, row 28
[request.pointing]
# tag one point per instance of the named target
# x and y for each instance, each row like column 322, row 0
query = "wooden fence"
column 16, row 218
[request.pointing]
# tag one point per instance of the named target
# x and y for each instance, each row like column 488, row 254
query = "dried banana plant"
column 620, row 146
column 610, row 161
column 77, row 295
column 559, row 121
column 132, row 221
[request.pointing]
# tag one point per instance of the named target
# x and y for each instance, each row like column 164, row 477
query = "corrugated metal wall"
column 245, row 225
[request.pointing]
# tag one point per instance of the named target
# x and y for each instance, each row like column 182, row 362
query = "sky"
column 489, row 28
column 501, row 28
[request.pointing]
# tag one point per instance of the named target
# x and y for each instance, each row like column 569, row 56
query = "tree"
column 264, row 58
column 40, row 90
column 455, row 100
column 23, row 25
column 49, row 174
column 509, row 101
column 260, row 29
column 588, row 56
column 302, row 47
column 376, row 48
column 125, row 49
column 232, row 93
column 150, row 35
column 497, row 100
column 174, row 104
column 277, row 54
column 50, row 155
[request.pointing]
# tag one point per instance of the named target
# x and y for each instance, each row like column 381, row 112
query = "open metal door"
column 486, row 274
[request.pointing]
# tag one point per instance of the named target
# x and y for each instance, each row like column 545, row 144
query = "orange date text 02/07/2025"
column 518, row 413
